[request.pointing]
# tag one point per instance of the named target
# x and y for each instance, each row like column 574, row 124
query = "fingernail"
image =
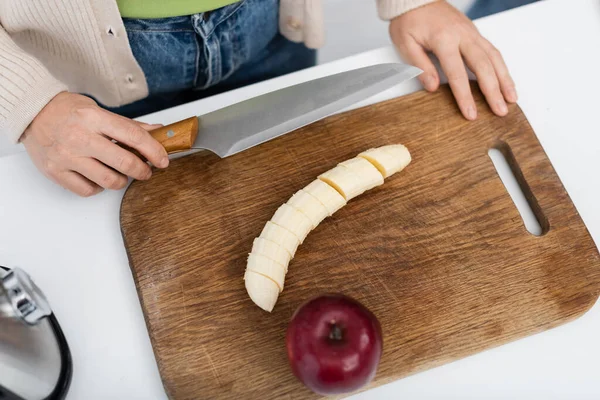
column 429, row 82
column 471, row 113
column 164, row 162
column 512, row 94
column 502, row 107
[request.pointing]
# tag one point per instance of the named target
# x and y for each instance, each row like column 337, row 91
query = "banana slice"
column 293, row 220
column 275, row 247
column 388, row 159
column 328, row 196
column 367, row 171
column 269, row 249
column 398, row 151
column 262, row 290
column 281, row 236
column 345, row 181
column 267, row 267
column 309, row 206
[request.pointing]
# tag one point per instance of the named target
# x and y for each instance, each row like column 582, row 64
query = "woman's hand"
column 69, row 141
column 452, row 37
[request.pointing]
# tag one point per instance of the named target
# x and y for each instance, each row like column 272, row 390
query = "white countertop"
column 72, row 247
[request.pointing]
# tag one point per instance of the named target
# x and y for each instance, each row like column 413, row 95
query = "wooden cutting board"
column 439, row 252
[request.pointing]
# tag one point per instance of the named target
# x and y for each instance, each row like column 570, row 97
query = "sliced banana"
column 388, row 159
column 309, row 206
column 367, row 171
column 272, row 250
column 399, row 152
column 281, row 236
column 267, row 267
column 328, row 196
column 275, row 247
column 262, row 290
column 344, row 181
column 293, row 220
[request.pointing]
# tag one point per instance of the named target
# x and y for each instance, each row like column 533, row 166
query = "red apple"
column 334, row 344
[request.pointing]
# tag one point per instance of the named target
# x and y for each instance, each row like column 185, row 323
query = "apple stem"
column 335, row 333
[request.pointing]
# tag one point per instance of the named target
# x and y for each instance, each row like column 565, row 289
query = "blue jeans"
column 483, row 8
column 190, row 57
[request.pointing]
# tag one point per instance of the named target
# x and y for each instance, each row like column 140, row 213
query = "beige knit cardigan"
column 50, row 46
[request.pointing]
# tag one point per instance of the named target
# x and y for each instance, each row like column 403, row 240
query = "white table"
column 73, row 248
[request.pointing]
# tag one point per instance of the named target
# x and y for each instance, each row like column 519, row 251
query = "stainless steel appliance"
column 35, row 361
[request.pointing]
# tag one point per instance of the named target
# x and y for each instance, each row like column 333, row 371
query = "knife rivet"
column 170, row 133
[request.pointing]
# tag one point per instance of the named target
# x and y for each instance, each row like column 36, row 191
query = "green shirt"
column 165, row 9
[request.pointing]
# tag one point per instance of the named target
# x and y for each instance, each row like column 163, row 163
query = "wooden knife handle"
column 178, row 136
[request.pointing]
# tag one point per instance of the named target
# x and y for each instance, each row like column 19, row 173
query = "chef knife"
column 242, row 125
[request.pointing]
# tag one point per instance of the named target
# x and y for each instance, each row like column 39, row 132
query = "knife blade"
column 246, row 124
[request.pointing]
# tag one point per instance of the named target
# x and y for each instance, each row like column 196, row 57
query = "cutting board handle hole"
column 511, row 176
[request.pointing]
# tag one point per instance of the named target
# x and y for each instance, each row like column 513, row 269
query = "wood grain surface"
column 439, row 252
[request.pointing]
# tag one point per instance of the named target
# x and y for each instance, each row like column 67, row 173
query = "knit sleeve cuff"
column 390, row 9
column 29, row 106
